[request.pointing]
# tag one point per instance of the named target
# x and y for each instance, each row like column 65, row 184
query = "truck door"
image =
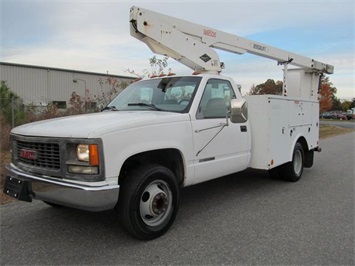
column 219, row 149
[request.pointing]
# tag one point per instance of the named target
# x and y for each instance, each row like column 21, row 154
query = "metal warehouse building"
column 40, row 85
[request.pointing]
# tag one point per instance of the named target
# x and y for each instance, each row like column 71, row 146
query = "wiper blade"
column 111, row 108
column 147, row 105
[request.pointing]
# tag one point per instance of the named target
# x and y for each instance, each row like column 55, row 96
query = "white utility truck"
column 165, row 133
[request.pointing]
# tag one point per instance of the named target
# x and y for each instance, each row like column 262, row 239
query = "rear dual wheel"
column 294, row 169
column 149, row 201
column 291, row 171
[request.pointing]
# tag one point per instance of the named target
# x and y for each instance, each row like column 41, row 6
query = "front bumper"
column 26, row 187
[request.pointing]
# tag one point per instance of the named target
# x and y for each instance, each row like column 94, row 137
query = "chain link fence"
column 12, row 111
column 12, row 114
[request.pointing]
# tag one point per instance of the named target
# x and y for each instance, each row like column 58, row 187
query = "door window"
column 216, row 99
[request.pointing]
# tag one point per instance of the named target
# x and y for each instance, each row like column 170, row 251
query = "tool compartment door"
column 276, row 124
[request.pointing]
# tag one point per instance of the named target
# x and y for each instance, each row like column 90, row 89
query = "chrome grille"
column 47, row 155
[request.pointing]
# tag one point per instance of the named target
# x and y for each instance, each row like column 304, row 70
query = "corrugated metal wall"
column 40, row 85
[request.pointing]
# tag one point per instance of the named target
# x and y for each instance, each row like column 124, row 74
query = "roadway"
column 245, row 218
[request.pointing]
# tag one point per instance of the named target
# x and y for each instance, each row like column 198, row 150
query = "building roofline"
column 66, row 70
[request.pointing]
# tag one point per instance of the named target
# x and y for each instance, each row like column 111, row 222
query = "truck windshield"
column 172, row 94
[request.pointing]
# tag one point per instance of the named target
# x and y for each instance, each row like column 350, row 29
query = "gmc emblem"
column 28, row 154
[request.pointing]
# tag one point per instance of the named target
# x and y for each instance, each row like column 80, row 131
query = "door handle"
column 243, row 128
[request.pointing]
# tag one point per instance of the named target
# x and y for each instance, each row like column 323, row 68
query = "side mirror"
column 239, row 111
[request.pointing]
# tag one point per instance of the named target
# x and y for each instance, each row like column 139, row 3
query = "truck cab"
column 218, row 147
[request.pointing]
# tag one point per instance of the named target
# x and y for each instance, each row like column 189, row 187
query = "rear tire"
column 293, row 170
column 148, row 201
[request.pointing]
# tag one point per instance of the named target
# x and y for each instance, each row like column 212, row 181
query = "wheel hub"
column 297, row 164
column 155, row 203
column 159, row 203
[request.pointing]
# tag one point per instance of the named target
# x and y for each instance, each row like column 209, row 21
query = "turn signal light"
column 94, row 155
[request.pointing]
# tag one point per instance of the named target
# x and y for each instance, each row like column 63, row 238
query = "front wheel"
column 149, row 201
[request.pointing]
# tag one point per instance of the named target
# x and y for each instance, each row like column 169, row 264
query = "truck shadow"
column 196, row 204
column 226, row 191
column 195, row 201
column 214, row 205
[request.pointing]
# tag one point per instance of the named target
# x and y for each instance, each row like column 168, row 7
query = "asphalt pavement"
column 241, row 219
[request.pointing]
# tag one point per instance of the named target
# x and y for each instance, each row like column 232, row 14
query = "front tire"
column 149, row 201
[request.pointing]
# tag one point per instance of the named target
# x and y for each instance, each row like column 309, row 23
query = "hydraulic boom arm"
column 192, row 44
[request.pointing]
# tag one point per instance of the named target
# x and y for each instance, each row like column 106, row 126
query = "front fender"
column 121, row 145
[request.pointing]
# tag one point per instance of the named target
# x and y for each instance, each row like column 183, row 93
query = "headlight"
column 82, row 152
column 84, row 159
column 88, row 153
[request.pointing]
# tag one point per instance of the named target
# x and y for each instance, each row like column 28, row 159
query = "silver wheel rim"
column 156, row 203
column 297, row 162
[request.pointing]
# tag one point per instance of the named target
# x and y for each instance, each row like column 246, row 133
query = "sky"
column 94, row 35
